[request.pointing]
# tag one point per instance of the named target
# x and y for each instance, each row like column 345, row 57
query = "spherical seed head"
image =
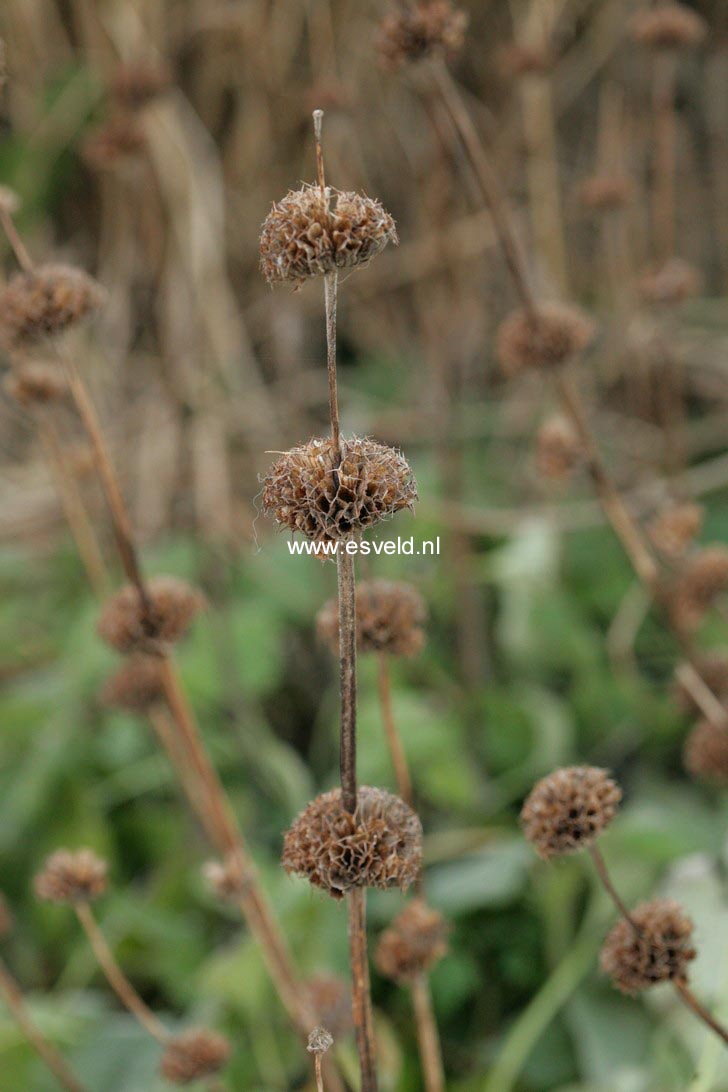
column 45, row 303
column 330, row 999
column 227, row 879
column 320, row 1040
column 379, row 846
column 713, row 670
column 669, row 26
column 124, row 625
column 414, row 942
column 518, row 59
column 9, row 200
column 309, row 234
column 117, row 140
column 569, row 809
column 604, row 192
column 310, row 491
column 414, row 32
column 136, row 686
column 545, row 340
column 36, row 384
column 558, row 449
column 705, row 754
column 675, row 528
column 703, row 579
column 658, row 950
column 72, row 876
column 6, row 918
column 671, row 283
column 389, row 618
column 195, row 1054
column 138, row 83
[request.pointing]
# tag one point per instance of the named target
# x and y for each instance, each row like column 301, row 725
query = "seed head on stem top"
column 705, row 754
column 194, row 1055
column 128, row 627
column 546, row 338
column 44, row 302
column 72, row 876
column 413, row 32
column 414, row 942
column 653, row 946
column 568, row 810
column 34, row 383
column 389, row 618
column 700, row 583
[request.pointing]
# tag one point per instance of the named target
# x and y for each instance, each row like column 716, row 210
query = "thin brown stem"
column 663, row 93
column 428, row 1037
column 13, row 997
column 318, row 1063
column 700, row 1011
column 318, row 121
column 18, row 246
column 347, row 667
column 330, row 293
column 394, row 741
column 116, row 978
column 361, row 990
column 603, row 873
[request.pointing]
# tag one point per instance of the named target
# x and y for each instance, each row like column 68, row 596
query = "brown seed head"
column 675, row 528
column 227, row 879
column 330, row 999
column 135, row 686
column 713, row 670
column 136, row 84
column 569, row 809
column 36, row 384
column 320, row 1040
column 705, row 754
column 605, row 192
column 7, row 922
column 659, row 950
column 309, row 234
column 72, row 876
column 195, row 1054
column 704, row 578
column 518, row 59
column 669, row 26
column 546, row 340
column 389, row 618
column 414, row 942
column 45, row 303
column 671, row 283
column 124, row 625
column 558, row 449
column 379, row 846
column 308, row 490
column 9, row 201
column 119, row 139
column 413, row 32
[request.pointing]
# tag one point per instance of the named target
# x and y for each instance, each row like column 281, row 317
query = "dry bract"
column 320, row 1040
column 558, row 449
column 309, row 490
column 569, row 809
column 658, row 950
column 669, row 26
column 545, row 339
column 380, row 845
column 126, row 627
column 309, row 234
column 227, row 879
column 604, row 192
column 36, row 384
column 416, row 31
column 72, row 876
column 46, row 302
column 414, row 942
column 389, row 618
column 135, row 686
column 195, row 1054
column 704, row 578
column 705, row 754
column 674, row 529
column 330, row 999
column 671, row 283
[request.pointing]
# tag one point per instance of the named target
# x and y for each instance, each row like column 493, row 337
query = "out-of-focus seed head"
column 412, row 32
column 659, row 950
column 138, row 83
column 558, row 449
column 518, row 59
column 703, row 579
column 671, row 283
column 125, row 626
column 389, row 618
column 136, row 686
column 605, row 192
column 414, row 942
column 320, row 1040
column 669, row 25
column 309, row 234
column 547, row 339
column 705, row 754
column 379, row 846
column 330, row 999
column 193, row 1055
column 45, row 303
column 227, row 879
column 674, row 529
column 10, row 202
column 72, row 876
column 569, row 809
column 35, row 384
column 120, row 139
column 713, row 670
column 7, row 922
column 310, row 491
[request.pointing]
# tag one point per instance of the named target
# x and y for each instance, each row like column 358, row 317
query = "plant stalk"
column 428, row 1037
column 361, row 989
column 347, row 668
column 394, row 741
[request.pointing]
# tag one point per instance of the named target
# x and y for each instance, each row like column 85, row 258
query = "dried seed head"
column 674, row 529
column 330, row 999
column 114, row 142
column 310, row 491
column 604, row 192
column 518, row 59
column 545, row 340
column 227, row 879
column 72, row 876
column 414, row 942
column 36, row 384
column 310, row 233
column 195, row 1054
column 703, row 579
column 413, row 32
column 9, row 201
column 669, row 26
column 705, row 754
column 124, row 625
column 569, row 809
column 558, row 449
column 135, row 686
column 379, row 846
column 713, row 670
column 389, row 618
column 46, row 302
column 7, row 922
column 134, row 85
column 658, row 950
column 671, row 283
column 320, row 1040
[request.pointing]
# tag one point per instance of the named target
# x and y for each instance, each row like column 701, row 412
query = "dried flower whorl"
column 713, row 670
column 675, row 528
column 671, row 283
column 379, row 846
column 558, row 448
column 36, row 384
column 545, row 340
column 124, row 625
column 308, row 234
column 389, row 618
column 669, row 25
column 72, row 876
column 605, row 192
column 320, row 1040
column 414, row 942
column 46, row 302
column 423, row 29
column 135, row 686
column 193, row 1055
column 308, row 490
column 705, row 754
column 569, row 809
column 659, row 950
column 703, row 579
column 227, row 879
column 330, row 999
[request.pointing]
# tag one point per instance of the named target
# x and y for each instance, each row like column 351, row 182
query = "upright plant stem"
column 603, row 873
column 361, row 989
column 427, row 1035
column 700, row 1011
column 13, row 998
column 330, row 293
column 318, row 1060
column 394, row 742
column 663, row 97
column 347, row 669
